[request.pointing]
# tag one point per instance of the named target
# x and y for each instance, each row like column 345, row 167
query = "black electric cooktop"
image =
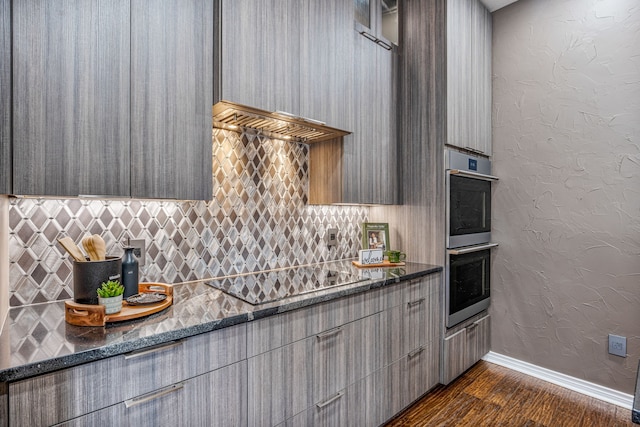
column 269, row 286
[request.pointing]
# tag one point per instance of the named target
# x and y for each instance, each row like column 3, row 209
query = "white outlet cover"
column 618, row 345
column 332, row 237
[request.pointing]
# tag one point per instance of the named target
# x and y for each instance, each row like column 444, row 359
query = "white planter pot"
column 112, row 305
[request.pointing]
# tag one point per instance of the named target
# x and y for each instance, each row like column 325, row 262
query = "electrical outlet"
column 139, row 251
column 332, row 237
column 618, row 345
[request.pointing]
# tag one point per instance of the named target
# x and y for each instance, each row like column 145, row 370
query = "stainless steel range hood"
column 229, row 115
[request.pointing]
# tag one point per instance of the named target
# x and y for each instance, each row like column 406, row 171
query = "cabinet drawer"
column 213, row 350
column 363, row 403
column 193, row 402
column 291, row 379
column 411, row 376
column 367, row 401
column 150, row 369
column 277, row 331
column 58, row 396
column 415, row 289
column 421, row 371
column 288, row 380
column 330, row 412
column 69, row 393
column 414, row 322
column 464, row 348
column 161, row 408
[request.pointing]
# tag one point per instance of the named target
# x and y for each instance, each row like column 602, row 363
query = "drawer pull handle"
column 415, row 352
column 154, row 395
column 472, row 326
column 475, row 324
column 329, row 401
column 416, row 302
column 329, row 333
column 157, row 348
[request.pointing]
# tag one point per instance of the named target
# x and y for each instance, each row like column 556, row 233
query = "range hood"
column 231, row 116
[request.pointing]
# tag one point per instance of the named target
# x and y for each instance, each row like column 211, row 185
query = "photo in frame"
column 375, row 235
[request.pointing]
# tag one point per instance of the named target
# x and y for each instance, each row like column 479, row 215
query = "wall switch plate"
column 139, row 252
column 618, row 345
column 332, row 237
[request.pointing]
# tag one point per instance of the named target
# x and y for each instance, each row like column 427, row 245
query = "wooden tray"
column 385, row 263
column 94, row 315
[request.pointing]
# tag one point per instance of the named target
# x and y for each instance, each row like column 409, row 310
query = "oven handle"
column 470, row 249
column 473, row 175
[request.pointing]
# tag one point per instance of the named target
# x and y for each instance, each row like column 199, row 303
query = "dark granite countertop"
column 36, row 339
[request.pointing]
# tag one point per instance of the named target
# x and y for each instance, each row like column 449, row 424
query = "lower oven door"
column 468, row 282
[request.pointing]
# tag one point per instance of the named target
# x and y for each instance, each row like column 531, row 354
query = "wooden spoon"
column 89, row 247
column 99, row 247
column 72, row 249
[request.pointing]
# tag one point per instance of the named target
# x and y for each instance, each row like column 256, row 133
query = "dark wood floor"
column 490, row 395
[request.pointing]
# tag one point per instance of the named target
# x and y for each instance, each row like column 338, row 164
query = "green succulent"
column 109, row 289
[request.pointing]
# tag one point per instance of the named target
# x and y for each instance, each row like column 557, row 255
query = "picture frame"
column 375, row 235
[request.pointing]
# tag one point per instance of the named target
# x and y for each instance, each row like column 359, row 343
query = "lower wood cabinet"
column 357, row 360
column 374, row 399
column 215, row 398
column 367, row 400
column 414, row 321
column 288, row 380
column 277, row 331
column 361, row 372
column 464, row 348
column 70, row 393
column 412, row 376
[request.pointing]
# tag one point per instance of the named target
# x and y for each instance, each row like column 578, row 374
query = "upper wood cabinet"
column 288, row 55
column 5, row 96
column 171, row 98
column 469, row 76
column 260, row 54
column 304, row 57
column 366, row 171
column 377, row 20
column 370, row 153
column 326, row 62
column 71, row 115
column 112, row 98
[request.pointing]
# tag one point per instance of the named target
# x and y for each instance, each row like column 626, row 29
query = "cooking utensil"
column 87, row 243
column 99, row 247
column 95, row 247
column 72, row 249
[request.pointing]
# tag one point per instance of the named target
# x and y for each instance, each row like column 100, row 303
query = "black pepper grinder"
column 129, row 272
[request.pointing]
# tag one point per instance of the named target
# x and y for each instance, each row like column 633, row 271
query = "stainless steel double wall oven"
column 468, row 258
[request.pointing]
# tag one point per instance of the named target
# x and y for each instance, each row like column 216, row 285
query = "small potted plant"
column 110, row 295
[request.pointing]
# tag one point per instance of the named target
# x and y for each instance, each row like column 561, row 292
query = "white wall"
column 566, row 123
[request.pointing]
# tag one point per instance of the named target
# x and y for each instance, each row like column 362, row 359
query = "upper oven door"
column 468, row 208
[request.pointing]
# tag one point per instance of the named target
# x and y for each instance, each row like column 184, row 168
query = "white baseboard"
column 576, row 384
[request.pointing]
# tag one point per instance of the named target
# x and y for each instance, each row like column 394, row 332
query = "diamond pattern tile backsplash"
column 257, row 220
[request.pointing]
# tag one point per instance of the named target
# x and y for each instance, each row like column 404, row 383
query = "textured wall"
column 566, row 123
column 258, row 220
